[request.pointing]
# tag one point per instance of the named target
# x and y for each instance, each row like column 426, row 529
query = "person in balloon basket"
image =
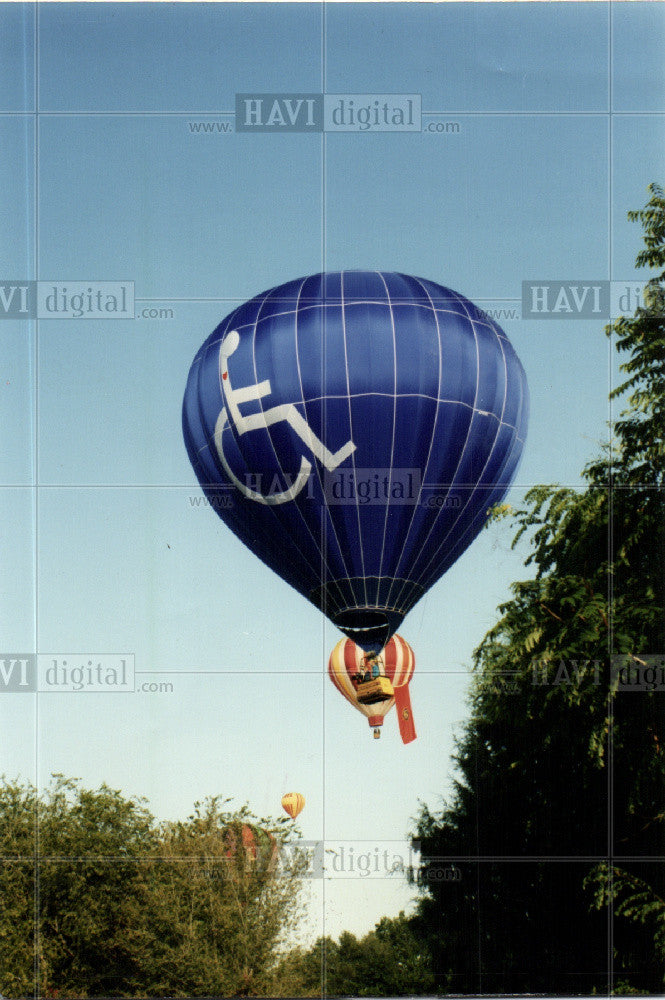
column 369, row 693
column 368, row 670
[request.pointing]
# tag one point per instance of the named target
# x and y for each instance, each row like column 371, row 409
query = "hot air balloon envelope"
column 293, row 803
column 249, row 849
column 359, row 426
column 351, row 669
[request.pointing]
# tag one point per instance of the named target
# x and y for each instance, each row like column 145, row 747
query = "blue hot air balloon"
column 353, row 429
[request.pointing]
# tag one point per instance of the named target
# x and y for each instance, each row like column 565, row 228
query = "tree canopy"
column 101, row 900
column 558, row 800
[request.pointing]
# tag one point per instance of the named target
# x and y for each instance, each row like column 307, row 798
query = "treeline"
column 559, row 802
column 97, row 899
column 392, row 960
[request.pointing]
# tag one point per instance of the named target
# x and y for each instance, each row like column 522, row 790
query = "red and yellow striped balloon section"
column 293, row 803
column 248, row 848
column 396, row 662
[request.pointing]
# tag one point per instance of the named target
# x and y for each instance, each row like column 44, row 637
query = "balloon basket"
column 374, row 691
column 377, row 734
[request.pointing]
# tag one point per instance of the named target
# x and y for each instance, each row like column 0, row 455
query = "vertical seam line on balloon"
column 326, row 514
column 500, row 489
column 302, row 394
column 399, row 663
column 263, row 530
column 340, row 677
column 423, row 574
column 392, row 444
column 260, row 401
column 353, row 454
column 466, row 441
column 213, row 348
column 431, row 443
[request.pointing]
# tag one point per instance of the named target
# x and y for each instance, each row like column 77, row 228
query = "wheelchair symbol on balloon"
column 285, row 413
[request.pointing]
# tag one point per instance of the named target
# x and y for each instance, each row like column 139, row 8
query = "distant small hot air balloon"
column 293, row 803
column 374, row 684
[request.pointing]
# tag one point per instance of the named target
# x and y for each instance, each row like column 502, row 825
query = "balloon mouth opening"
column 367, row 627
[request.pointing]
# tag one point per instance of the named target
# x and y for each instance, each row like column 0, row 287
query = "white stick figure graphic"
column 286, row 412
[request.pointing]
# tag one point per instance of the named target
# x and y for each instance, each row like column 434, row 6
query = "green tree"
column 556, row 762
column 100, row 900
column 391, row 960
column 17, row 889
column 224, row 906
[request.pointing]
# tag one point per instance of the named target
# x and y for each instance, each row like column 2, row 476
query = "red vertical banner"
column 407, row 729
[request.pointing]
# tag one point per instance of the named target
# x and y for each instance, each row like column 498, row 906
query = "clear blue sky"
column 108, row 554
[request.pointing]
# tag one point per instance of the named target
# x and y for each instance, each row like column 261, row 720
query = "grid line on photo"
column 151, row 487
column 324, row 520
column 425, row 114
column 610, row 704
column 36, row 417
column 472, row 859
